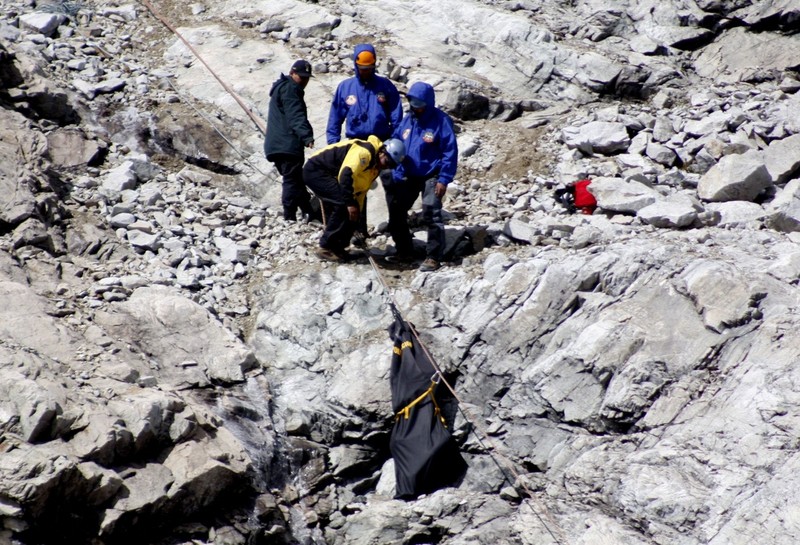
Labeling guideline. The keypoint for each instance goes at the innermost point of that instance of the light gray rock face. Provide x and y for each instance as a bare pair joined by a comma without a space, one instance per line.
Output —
617,195
16,143
735,55
71,148
735,178
603,372
721,296
165,325
35,405
176,365
63,435
33,329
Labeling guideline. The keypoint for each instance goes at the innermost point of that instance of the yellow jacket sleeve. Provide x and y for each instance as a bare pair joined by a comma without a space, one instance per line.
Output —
359,169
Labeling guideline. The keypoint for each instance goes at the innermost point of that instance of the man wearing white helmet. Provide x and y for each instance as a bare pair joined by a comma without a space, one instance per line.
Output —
340,175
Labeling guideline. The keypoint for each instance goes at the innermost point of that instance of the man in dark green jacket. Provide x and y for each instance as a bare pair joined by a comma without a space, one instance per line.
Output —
288,131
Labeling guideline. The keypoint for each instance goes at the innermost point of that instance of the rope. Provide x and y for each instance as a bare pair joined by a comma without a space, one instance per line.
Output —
257,120
211,123
553,527
395,310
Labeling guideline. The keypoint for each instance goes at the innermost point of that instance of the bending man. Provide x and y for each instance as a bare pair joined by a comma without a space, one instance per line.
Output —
340,175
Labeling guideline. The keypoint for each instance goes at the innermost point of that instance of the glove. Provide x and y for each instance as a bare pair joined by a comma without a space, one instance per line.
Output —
359,239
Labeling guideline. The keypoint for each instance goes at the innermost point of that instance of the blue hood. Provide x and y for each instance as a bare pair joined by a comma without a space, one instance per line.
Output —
423,91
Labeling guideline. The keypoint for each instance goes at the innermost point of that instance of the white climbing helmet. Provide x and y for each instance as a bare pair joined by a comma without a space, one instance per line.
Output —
395,149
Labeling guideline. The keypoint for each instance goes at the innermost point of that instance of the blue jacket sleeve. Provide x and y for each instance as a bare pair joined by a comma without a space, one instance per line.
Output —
449,145
399,173
336,117
395,108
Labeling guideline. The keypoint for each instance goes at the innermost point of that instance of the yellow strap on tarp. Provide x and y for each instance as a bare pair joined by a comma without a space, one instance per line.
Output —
399,349
406,411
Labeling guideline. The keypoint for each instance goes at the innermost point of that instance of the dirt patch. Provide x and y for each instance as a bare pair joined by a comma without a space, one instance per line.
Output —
521,152
518,151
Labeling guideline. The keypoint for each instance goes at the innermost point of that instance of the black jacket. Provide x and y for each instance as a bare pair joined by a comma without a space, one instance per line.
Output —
288,129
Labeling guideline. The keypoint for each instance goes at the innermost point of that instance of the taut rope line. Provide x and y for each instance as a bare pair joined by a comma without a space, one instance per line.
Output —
492,450
481,433
257,120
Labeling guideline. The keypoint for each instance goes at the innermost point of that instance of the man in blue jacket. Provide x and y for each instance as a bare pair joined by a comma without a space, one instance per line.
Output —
288,132
368,104
430,164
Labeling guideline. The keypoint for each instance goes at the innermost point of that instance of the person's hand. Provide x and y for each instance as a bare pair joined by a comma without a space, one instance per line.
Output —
360,239
352,212
439,190
310,145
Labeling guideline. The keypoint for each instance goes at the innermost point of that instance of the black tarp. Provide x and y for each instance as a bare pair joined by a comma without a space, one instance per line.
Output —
426,457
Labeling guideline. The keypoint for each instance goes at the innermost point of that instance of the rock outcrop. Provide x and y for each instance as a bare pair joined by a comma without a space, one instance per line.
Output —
178,367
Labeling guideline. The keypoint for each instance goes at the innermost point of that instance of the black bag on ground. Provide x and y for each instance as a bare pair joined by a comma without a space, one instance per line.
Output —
426,457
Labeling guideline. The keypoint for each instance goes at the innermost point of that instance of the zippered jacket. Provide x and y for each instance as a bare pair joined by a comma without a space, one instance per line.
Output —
354,163
288,128
367,107
431,146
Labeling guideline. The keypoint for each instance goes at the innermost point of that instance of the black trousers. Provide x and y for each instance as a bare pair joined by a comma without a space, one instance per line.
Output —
338,227
293,190
400,197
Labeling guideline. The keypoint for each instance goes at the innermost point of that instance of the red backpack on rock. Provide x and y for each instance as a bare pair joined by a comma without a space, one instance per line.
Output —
576,196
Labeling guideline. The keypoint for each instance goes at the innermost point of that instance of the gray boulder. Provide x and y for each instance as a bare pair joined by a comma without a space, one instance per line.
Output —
735,178
782,158
597,137
783,213
617,195
668,214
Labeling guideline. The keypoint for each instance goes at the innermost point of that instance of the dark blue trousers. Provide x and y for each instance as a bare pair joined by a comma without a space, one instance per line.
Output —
293,190
338,227
400,197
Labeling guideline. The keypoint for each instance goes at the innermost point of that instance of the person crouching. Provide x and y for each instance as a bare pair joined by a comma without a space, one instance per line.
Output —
340,175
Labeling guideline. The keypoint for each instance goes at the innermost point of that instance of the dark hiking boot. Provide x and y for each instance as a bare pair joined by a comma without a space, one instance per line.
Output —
336,256
429,265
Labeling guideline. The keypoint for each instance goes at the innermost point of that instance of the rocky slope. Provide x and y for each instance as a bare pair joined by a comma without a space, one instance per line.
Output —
177,367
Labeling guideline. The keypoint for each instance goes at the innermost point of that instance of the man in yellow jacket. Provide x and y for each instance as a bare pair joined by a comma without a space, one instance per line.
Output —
340,175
